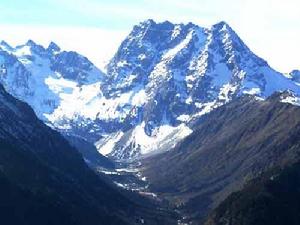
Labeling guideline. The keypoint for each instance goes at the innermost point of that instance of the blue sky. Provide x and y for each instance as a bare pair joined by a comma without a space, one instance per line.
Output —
108,14
95,28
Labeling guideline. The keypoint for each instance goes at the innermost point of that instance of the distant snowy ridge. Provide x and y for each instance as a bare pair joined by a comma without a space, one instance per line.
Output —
162,77
42,77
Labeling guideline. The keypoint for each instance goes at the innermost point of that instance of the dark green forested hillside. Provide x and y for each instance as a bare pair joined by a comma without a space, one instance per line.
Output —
272,199
229,147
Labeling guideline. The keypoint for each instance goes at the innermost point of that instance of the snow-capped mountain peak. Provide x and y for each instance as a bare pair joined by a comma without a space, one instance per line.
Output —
31,43
163,77
187,71
53,48
5,46
41,77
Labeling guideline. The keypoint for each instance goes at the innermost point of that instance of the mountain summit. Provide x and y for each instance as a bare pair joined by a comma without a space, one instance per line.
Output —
183,71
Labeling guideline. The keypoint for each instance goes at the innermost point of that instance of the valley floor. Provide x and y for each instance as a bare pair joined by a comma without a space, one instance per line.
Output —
128,176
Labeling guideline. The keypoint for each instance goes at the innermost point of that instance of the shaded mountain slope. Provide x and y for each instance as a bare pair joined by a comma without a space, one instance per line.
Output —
49,179
271,199
90,153
229,147
19,206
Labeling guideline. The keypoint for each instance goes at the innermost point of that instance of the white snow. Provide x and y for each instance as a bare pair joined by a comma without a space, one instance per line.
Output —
176,32
124,186
60,85
142,57
122,63
206,107
23,51
252,91
144,178
291,100
189,100
109,172
139,98
170,54
183,118
88,102
106,144
164,137
153,195
128,170
225,91
199,62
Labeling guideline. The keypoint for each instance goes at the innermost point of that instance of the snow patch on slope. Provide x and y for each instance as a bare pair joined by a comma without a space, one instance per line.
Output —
290,99
164,138
106,144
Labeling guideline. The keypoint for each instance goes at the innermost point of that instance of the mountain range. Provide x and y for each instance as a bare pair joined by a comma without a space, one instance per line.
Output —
163,77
